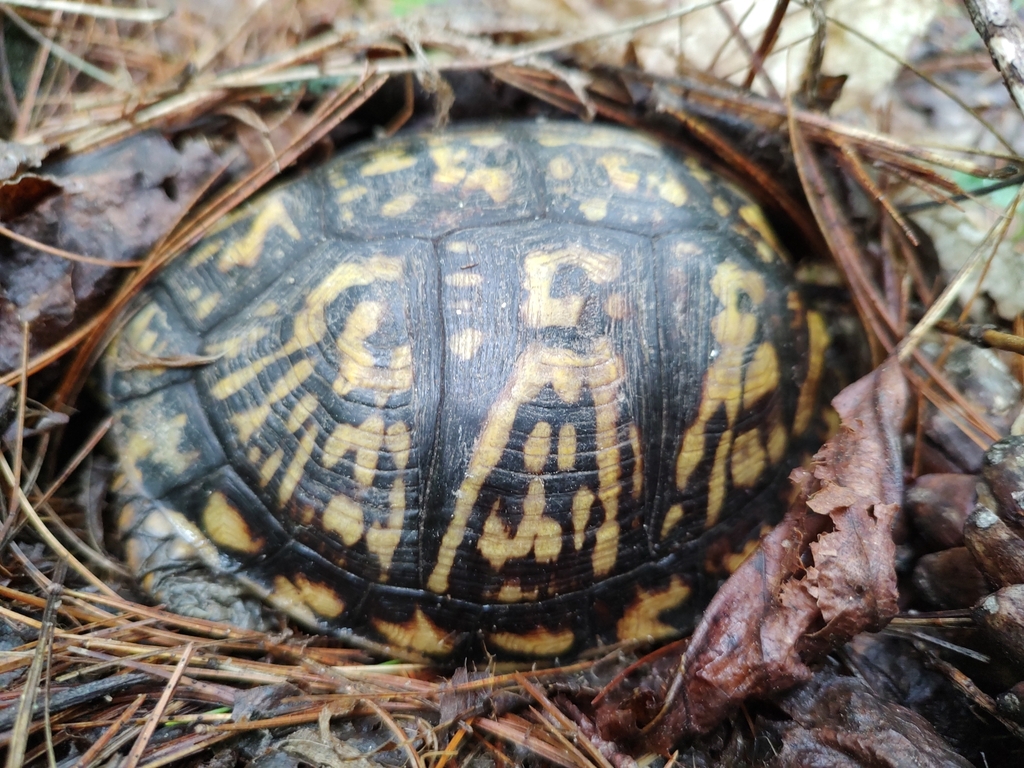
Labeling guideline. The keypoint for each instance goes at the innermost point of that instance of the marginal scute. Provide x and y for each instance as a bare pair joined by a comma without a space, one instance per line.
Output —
642,618
418,633
520,389
538,642
226,526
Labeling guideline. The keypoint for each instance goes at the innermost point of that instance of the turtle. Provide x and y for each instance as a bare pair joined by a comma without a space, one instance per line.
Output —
521,388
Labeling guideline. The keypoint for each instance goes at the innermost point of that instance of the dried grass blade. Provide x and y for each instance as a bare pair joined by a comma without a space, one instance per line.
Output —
47,536
570,727
135,755
836,229
66,254
26,701
400,738
522,733
119,13
94,751
67,56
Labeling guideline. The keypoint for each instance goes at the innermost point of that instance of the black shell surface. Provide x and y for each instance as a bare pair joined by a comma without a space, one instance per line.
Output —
514,387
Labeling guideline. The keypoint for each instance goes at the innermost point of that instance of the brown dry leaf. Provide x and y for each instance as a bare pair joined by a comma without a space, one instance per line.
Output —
839,721
110,205
775,616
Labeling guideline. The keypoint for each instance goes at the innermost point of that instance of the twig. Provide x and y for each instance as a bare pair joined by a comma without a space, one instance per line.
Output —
983,335
999,28
96,11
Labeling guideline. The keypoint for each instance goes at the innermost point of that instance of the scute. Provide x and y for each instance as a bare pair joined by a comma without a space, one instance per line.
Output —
499,388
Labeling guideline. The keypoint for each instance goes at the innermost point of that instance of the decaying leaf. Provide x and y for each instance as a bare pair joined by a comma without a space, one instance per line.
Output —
839,721
109,206
823,575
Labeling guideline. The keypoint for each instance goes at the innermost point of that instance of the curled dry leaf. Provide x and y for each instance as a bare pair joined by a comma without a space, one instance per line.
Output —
776,614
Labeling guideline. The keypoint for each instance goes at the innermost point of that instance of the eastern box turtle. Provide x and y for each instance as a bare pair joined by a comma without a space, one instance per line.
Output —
512,388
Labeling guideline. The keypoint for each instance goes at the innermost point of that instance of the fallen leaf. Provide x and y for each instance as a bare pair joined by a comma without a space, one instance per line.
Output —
820,577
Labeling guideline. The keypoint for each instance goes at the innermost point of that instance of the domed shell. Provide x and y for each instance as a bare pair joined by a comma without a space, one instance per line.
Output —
519,388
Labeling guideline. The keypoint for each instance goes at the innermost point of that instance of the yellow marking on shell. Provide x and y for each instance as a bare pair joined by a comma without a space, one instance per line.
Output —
246,251
300,414
310,325
297,466
464,344
672,518
721,206
206,305
287,597
344,517
561,168
363,441
732,561
748,459
494,181
567,371
566,447
582,502
449,161
267,309
270,466
238,343
464,279
358,369
350,195
597,137
254,454
698,170
537,642
643,618
388,161
778,439
671,190
594,208
487,139
754,216
537,448
419,633
541,309
606,546
227,528
734,330
204,251
535,532
320,597
382,541
511,591
761,378
161,442
616,306
567,385
247,422
817,344
601,372
140,335
620,177
398,205
638,460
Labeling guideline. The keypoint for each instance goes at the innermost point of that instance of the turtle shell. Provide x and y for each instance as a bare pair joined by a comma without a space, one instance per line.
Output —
521,388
